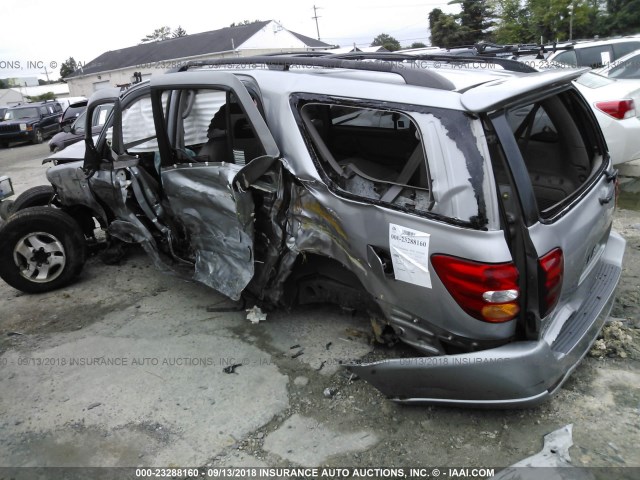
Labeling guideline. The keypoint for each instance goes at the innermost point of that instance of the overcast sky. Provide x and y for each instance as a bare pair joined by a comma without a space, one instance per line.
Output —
43,34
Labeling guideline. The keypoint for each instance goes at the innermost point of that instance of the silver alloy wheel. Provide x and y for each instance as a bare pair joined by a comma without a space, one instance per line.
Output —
39,136
40,257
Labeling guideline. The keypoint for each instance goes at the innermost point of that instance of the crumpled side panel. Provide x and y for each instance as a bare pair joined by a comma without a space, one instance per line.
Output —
133,231
313,228
72,187
219,223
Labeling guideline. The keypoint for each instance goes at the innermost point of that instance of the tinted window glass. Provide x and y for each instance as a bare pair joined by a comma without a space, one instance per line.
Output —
595,56
621,49
568,58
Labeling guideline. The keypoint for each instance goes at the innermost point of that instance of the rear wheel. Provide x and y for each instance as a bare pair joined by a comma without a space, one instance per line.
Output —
41,249
39,196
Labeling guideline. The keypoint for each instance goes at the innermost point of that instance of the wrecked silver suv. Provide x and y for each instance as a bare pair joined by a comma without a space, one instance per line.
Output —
470,211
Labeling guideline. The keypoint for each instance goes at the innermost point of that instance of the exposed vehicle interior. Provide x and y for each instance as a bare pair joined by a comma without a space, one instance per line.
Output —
375,154
557,152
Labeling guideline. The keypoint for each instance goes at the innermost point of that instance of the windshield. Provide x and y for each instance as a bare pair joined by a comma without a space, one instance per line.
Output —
19,113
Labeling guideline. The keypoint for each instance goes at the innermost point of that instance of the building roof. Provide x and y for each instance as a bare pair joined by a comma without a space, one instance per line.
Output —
311,42
197,44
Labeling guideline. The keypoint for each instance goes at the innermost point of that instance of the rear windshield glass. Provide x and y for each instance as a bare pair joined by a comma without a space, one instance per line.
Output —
559,146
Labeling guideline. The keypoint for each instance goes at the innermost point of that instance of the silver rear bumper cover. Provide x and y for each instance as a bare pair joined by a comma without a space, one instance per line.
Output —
518,374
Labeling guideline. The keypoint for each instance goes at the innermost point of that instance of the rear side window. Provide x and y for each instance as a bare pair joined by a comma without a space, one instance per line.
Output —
595,56
558,144
423,160
568,58
621,49
371,153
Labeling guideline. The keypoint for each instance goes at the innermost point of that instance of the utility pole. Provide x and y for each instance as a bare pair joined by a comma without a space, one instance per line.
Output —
570,8
316,17
46,73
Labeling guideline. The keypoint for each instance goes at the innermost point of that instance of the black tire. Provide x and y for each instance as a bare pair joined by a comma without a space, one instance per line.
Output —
39,196
37,136
41,249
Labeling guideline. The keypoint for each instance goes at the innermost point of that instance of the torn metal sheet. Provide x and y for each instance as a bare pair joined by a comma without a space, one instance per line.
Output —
458,129
410,255
134,232
550,463
218,221
72,187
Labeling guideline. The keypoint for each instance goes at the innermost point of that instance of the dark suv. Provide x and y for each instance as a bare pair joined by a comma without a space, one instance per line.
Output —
32,122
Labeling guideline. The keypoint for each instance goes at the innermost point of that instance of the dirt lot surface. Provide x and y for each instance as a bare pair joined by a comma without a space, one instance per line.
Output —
126,367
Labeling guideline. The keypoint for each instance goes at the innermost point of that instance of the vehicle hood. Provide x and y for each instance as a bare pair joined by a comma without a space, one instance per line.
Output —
72,153
65,136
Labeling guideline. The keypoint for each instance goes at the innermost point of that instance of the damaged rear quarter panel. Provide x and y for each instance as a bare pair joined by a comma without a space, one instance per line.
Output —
326,223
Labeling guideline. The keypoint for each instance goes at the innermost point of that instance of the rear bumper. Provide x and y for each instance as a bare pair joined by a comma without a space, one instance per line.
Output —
518,374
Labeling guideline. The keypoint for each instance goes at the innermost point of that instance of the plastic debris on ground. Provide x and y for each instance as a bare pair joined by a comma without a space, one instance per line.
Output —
255,315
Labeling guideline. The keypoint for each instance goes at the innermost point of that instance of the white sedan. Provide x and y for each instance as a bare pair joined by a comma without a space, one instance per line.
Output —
614,94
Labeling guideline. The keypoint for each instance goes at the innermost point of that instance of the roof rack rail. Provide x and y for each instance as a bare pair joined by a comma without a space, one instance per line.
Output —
505,63
508,51
412,76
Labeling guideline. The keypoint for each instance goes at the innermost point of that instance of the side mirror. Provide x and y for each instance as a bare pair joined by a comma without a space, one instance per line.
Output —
67,129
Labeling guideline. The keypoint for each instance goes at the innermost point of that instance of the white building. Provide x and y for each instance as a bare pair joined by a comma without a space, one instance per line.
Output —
117,67
16,95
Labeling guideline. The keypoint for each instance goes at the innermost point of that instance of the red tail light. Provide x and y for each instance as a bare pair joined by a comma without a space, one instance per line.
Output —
486,291
552,266
619,109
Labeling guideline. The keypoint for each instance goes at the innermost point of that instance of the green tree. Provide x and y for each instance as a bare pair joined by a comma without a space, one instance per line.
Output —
621,17
158,34
475,20
512,22
41,98
554,20
445,31
386,41
68,67
179,32
417,45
